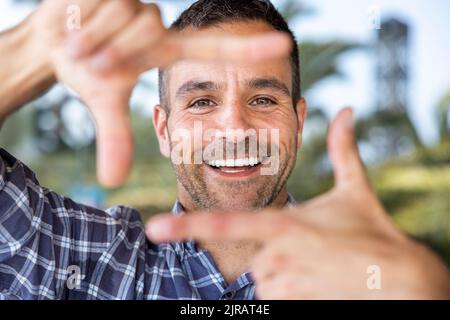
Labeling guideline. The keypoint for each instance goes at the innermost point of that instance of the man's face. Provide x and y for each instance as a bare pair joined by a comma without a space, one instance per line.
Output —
211,104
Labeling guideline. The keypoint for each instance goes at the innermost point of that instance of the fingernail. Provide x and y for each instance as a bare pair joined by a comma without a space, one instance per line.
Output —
348,120
74,48
158,230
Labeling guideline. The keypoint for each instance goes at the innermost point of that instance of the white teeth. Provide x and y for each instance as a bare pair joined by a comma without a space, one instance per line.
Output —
220,163
245,162
232,171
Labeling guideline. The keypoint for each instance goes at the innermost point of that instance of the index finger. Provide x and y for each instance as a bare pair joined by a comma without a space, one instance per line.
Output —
259,226
114,141
241,49
254,49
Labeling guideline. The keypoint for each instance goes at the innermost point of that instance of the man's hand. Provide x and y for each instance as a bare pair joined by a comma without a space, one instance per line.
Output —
118,40
324,249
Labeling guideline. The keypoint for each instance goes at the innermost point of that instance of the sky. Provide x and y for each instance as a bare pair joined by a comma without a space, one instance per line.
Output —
348,20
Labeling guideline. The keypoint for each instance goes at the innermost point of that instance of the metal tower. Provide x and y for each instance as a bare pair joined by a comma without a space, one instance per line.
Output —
392,66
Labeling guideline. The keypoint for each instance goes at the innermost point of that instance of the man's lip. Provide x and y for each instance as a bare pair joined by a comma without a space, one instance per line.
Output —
239,172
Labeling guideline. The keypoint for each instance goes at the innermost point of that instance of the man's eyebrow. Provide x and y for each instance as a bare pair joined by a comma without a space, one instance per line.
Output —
269,83
194,85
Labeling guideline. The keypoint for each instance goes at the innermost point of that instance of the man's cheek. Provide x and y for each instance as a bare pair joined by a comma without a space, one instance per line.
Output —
270,146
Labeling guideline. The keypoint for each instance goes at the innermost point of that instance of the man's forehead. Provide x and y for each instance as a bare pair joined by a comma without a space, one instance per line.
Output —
188,76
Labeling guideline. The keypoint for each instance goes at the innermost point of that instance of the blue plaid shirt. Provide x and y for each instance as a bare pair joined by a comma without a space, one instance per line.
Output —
54,248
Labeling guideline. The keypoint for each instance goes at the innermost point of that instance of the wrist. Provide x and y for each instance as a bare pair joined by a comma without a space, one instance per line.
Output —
35,58
26,68
35,51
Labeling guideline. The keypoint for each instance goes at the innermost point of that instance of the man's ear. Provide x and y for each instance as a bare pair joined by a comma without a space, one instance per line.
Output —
302,111
160,124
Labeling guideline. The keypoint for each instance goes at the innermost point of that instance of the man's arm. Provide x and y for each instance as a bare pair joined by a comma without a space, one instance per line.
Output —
102,61
46,238
340,245
25,72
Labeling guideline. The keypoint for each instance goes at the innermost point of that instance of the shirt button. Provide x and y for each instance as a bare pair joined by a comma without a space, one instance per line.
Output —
229,295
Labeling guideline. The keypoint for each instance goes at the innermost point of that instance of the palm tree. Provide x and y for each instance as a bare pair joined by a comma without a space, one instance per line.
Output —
318,60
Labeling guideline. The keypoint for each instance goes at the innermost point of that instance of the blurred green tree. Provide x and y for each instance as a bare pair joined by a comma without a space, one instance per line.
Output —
319,61
444,117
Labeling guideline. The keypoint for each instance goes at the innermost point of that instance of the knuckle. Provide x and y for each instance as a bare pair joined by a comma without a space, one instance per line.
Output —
287,287
86,38
283,224
270,263
219,225
122,9
276,259
154,8
113,55
118,8
150,22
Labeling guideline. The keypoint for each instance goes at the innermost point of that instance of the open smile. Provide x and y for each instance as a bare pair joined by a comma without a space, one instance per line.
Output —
235,168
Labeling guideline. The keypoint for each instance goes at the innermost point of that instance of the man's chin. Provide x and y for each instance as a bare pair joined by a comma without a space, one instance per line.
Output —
231,206
238,200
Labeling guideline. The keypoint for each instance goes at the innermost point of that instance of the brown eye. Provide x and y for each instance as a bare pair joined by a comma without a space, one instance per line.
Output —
262,101
202,103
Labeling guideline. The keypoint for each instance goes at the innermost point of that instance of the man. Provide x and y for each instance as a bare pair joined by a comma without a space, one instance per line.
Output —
320,249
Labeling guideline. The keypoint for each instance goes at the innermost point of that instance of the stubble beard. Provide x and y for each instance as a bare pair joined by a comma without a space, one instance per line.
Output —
232,195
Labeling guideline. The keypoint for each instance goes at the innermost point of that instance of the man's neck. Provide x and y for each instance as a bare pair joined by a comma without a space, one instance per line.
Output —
234,258
231,258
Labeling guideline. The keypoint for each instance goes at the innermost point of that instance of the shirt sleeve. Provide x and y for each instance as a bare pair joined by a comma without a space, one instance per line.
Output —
54,248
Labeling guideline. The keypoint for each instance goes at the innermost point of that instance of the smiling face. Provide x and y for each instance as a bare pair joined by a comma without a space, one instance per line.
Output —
218,97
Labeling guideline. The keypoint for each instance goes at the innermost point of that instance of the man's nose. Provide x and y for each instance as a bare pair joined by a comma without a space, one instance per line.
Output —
234,115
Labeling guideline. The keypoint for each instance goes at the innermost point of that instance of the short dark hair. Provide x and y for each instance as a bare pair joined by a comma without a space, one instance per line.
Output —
206,13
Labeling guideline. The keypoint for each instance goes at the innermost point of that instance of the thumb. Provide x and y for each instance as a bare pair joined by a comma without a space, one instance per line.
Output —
115,144
347,165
